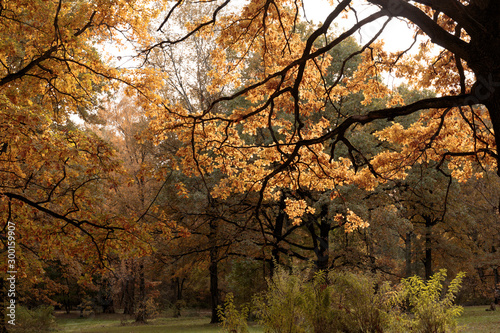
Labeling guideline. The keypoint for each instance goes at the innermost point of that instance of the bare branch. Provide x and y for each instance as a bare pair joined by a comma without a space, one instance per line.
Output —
436,33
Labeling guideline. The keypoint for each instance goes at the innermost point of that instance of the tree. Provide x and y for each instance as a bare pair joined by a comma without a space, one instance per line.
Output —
56,178
213,223
292,129
289,97
478,237
50,68
292,81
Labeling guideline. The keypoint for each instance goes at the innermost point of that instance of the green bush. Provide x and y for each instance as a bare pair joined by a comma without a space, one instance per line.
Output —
233,321
352,303
340,302
424,307
40,319
360,307
282,307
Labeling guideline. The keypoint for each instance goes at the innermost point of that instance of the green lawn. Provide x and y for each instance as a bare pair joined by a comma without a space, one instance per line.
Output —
474,320
119,323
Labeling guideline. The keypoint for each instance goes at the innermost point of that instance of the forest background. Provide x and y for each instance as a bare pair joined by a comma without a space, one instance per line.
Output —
218,140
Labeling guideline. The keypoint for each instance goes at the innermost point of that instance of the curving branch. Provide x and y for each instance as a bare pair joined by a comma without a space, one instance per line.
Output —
436,33
457,12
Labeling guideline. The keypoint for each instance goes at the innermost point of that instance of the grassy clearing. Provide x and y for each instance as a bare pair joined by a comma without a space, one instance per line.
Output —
117,323
193,325
474,320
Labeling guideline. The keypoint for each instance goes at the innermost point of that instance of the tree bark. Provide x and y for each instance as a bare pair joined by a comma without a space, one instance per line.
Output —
428,247
141,313
129,290
278,234
213,270
179,286
107,297
408,254
497,286
323,255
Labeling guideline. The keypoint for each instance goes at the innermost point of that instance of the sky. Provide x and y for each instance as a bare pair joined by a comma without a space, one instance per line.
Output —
397,35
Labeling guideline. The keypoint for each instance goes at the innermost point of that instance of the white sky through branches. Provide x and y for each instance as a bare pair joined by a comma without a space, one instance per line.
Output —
397,35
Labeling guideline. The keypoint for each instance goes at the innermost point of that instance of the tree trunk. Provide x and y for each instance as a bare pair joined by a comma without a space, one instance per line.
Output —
214,278
487,92
408,253
129,290
107,297
141,313
320,242
323,254
497,286
179,286
428,248
278,234
485,63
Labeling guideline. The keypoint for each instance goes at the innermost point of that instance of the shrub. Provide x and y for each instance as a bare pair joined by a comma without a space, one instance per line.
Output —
352,303
40,319
360,307
150,308
233,321
424,307
340,302
282,307
86,307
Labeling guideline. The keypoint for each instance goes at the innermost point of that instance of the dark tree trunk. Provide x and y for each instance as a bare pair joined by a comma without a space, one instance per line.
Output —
408,254
214,288
141,313
497,286
487,92
428,247
107,298
214,277
370,245
428,256
323,254
179,286
484,60
320,225
129,290
278,234
480,273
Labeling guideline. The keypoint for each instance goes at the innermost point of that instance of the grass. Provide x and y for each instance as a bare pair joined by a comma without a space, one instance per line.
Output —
192,325
477,320
474,320
114,323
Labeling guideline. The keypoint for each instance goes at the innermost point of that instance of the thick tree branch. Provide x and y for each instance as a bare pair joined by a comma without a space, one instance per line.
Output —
436,33
389,114
58,216
35,62
457,12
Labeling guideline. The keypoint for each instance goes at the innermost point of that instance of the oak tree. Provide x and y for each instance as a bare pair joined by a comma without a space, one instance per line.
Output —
292,81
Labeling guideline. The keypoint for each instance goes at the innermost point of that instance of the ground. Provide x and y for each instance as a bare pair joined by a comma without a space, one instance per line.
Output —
474,320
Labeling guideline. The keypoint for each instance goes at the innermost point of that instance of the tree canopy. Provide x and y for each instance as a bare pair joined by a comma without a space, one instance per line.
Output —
288,97
129,126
